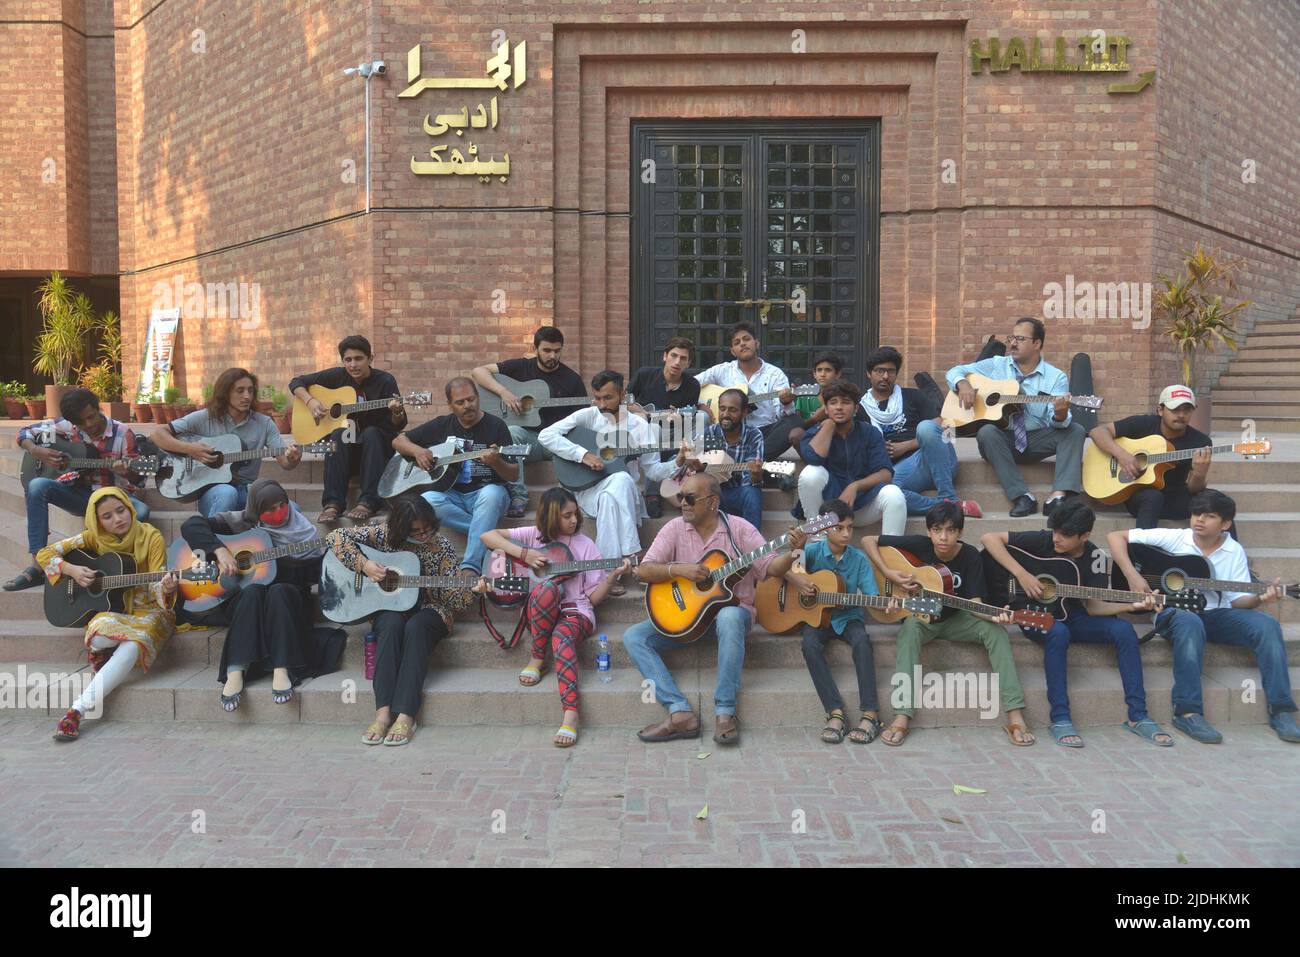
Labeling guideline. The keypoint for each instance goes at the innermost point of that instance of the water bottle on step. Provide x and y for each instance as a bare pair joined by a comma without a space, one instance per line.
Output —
602,661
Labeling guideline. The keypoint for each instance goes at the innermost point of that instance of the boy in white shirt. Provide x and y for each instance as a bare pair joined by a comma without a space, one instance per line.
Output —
1229,617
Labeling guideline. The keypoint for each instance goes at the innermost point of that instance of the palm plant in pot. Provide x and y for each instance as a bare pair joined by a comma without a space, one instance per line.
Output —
67,321
170,395
1196,318
105,377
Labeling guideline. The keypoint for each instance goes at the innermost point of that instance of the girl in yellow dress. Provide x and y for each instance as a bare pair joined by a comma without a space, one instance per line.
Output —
116,641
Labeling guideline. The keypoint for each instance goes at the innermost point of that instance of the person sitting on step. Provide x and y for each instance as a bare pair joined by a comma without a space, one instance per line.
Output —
742,491
666,388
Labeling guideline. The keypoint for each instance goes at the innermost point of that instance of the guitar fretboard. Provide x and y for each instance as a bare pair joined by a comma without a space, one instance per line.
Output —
952,601
250,454
1219,584
1080,591
747,559
369,404
1186,453
1019,399
284,551
438,581
109,582
593,564
853,600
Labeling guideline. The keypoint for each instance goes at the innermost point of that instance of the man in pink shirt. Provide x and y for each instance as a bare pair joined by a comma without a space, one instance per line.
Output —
676,552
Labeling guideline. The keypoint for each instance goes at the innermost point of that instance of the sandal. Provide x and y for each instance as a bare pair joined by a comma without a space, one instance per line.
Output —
375,733
566,737
873,730
328,515
1065,729
360,513
834,735
901,730
726,737
399,734
230,702
66,730
1146,728
27,578
282,697
1026,737
533,671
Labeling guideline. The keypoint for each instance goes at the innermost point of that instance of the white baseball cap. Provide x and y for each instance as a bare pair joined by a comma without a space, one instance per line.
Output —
1176,395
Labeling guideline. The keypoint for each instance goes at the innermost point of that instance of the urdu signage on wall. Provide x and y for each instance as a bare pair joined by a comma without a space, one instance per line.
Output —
1094,53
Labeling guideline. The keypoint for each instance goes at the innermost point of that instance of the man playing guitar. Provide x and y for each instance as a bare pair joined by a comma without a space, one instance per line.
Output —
676,551
749,370
372,445
742,492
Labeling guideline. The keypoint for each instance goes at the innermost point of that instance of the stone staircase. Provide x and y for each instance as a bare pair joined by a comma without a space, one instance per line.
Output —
473,682
1262,382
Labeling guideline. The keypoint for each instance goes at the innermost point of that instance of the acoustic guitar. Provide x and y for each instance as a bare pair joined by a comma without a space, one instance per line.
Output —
533,396
81,457
709,395
1175,574
683,609
401,474
185,478
1105,481
1061,580
339,404
720,464
254,554
937,580
995,400
782,607
69,605
560,567
346,595
575,476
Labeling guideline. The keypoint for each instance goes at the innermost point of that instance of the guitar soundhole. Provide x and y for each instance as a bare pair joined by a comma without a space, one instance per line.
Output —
807,601
336,410
607,454
97,586
526,403
244,560
389,584
1049,592
1174,581
992,399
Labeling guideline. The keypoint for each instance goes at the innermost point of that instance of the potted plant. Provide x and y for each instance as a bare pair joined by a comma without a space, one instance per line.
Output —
106,382
35,405
13,393
281,413
265,400
1196,318
140,410
67,321
170,395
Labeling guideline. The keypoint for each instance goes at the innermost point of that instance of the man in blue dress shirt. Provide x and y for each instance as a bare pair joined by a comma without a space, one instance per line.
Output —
1034,432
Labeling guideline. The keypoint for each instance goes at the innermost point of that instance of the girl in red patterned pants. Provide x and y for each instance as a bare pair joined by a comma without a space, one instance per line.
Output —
561,609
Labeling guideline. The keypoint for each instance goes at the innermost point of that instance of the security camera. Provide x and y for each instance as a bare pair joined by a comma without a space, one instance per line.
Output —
378,67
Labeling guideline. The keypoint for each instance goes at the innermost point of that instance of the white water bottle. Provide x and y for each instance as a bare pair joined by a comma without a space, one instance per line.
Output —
602,661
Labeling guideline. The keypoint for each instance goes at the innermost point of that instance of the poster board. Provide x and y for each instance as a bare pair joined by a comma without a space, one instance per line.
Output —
159,348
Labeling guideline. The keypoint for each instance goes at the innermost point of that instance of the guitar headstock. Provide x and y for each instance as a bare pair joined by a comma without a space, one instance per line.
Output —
1188,599
144,464
202,572
324,447
778,468
1254,449
510,583
1032,619
810,389
518,449
926,605
820,523
1087,401
418,398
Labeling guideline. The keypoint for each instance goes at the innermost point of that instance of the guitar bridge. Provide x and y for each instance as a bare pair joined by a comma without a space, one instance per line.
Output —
356,582
677,597
1114,467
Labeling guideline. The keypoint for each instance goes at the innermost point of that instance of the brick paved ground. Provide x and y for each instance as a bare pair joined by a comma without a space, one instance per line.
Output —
313,795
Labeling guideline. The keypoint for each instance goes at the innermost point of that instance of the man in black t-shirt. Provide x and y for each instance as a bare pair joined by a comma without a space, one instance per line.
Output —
1090,622
667,387
923,457
942,545
559,378
478,499
375,429
1185,479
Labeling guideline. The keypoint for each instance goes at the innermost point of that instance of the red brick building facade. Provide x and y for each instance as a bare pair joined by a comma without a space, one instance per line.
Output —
153,144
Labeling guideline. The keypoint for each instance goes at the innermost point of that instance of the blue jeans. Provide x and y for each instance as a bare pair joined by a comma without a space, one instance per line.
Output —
44,492
1092,630
223,498
536,453
1243,627
932,465
471,514
644,644
745,501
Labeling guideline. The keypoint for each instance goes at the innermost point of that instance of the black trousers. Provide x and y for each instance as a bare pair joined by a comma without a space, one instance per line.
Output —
776,437
367,455
406,639
269,625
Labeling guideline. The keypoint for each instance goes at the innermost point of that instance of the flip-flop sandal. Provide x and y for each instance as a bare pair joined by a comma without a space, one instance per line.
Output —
1011,730
375,734
1065,729
834,735
901,732
404,732
1146,728
868,734
328,515
569,734
728,739
360,513
531,671
29,577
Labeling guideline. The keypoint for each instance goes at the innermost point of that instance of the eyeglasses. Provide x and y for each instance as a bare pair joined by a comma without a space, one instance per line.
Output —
1018,339
422,534
690,498
884,370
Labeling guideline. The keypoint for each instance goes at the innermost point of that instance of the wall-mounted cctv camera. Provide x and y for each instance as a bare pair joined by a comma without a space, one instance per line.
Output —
379,67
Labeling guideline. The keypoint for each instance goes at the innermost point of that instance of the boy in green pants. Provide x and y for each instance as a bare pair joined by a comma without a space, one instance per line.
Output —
943,546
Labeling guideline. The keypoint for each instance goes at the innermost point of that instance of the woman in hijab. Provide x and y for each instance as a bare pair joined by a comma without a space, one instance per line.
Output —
269,625
116,641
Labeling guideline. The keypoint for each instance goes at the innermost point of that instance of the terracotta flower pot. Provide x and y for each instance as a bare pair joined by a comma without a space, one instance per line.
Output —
15,408
141,412
282,421
266,408
54,393
159,411
36,408
120,411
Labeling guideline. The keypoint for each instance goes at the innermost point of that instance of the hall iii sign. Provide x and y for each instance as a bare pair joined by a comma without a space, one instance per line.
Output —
1095,53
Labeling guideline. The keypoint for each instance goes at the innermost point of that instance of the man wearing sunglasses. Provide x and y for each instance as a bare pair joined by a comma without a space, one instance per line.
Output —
1033,432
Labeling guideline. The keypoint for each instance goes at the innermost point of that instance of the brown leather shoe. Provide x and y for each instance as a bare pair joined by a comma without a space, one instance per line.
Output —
726,730
678,725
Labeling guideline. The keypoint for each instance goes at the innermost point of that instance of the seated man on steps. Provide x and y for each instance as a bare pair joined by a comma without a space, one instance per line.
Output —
1230,618
750,370
563,382
478,499
942,545
742,491
677,551
229,412
371,446
1173,414
615,501
923,458
1035,431
1093,622
666,387
847,460
80,420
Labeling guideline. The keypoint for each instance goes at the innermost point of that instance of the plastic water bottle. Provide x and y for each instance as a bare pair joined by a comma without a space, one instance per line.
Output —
371,645
602,661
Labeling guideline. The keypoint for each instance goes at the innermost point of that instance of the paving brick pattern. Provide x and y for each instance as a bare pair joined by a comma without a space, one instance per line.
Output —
126,795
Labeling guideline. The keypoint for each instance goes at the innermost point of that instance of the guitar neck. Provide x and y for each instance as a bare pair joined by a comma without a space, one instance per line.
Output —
739,564
110,582
593,564
550,403
464,457
1019,399
251,454
1217,584
436,581
368,404
1080,591
966,604
852,600
284,551
1177,454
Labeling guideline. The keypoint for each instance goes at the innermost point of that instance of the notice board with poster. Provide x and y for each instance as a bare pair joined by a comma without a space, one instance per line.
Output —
159,348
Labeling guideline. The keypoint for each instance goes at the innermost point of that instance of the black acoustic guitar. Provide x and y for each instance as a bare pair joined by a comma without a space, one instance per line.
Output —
69,605
1173,574
1063,594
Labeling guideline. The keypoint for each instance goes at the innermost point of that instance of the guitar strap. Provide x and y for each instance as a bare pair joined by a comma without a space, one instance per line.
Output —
730,537
505,643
